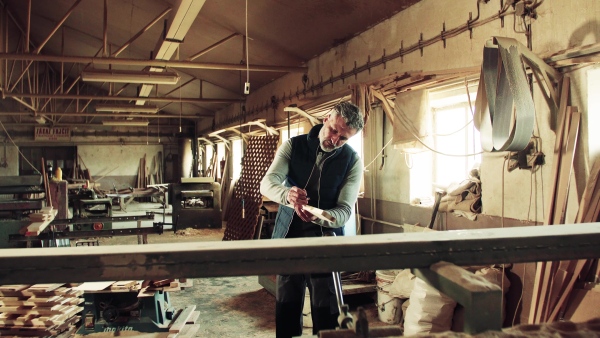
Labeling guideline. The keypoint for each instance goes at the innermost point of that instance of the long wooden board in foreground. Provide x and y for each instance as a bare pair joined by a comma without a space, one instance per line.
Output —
300,255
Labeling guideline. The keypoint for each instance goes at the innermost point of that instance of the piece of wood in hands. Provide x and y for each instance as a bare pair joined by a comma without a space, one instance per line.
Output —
319,213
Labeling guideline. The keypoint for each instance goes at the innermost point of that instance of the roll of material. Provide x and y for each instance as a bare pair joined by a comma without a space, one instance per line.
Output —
505,86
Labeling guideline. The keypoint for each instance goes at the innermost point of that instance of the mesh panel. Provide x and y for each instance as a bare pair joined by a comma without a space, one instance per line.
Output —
257,159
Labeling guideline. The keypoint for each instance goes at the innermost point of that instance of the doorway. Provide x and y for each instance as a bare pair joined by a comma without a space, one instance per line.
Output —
55,157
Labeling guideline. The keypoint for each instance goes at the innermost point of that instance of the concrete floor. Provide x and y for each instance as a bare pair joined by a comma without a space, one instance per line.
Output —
229,306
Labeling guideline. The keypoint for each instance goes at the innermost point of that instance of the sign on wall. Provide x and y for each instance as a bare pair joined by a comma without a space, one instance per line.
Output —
52,134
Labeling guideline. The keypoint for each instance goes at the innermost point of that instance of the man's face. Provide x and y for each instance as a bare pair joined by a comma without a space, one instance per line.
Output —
334,133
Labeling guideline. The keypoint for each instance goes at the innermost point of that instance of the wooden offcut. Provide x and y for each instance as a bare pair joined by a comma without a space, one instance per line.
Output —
182,319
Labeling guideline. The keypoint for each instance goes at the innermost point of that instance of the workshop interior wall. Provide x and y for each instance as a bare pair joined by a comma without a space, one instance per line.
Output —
117,164
578,26
9,161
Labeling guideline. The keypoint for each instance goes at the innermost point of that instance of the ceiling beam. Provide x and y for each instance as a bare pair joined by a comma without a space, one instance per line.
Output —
57,26
151,63
138,34
119,98
78,114
211,47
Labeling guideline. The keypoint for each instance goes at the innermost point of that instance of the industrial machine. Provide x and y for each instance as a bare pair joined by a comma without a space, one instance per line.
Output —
196,203
21,188
86,204
109,311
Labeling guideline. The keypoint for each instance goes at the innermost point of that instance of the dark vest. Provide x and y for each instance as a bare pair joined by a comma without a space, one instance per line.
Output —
303,158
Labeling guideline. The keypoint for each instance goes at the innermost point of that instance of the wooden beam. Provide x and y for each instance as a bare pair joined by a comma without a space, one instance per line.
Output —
299,255
480,298
387,107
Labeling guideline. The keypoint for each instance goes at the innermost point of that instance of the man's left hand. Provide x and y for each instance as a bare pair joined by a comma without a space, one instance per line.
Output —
303,214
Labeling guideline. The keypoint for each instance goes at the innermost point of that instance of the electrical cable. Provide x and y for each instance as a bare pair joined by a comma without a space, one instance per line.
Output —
376,156
180,102
247,57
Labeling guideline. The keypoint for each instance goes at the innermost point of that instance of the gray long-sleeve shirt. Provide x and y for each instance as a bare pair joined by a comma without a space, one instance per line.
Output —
272,184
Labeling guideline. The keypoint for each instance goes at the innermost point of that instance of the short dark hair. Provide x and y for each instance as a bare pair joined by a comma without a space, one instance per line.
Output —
351,115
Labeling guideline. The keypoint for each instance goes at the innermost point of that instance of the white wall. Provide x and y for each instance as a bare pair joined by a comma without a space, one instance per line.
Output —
117,160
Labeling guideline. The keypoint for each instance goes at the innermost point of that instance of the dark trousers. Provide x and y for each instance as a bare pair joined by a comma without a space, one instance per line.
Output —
290,303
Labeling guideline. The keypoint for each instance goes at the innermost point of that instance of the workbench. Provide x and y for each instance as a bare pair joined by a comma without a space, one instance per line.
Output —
122,200
126,196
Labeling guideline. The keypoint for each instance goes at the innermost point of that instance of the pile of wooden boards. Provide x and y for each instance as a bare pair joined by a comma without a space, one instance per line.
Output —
40,310
39,221
150,175
184,324
554,281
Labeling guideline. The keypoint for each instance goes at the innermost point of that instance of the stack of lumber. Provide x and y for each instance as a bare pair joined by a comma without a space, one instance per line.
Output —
150,175
184,324
40,310
554,281
39,221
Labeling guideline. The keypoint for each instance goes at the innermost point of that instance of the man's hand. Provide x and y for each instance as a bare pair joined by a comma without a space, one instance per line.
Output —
298,198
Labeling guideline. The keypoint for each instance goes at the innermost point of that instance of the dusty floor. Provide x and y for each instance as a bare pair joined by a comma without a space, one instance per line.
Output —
229,306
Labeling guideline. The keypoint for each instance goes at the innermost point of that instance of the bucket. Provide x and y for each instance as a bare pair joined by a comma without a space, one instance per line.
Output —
389,308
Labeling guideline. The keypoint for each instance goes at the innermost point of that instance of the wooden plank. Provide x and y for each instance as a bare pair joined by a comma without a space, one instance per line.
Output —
45,287
472,291
55,310
319,213
40,302
124,285
540,284
193,317
14,288
94,286
588,193
590,198
35,228
584,306
389,111
63,291
316,255
189,331
183,317
567,290
566,169
554,277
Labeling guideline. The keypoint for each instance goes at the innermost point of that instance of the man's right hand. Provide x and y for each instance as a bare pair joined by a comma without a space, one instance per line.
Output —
297,197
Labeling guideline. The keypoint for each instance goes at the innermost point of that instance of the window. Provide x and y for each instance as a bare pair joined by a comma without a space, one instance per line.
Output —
221,154
237,154
356,142
209,160
593,115
453,136
295,130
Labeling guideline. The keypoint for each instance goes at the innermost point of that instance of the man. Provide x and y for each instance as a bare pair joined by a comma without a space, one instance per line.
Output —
320,170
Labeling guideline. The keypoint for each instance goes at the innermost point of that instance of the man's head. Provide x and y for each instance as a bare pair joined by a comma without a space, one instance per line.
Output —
341,124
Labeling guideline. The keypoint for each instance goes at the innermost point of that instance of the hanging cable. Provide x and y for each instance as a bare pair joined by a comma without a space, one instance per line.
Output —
242,164
180,102
158,118
247,86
